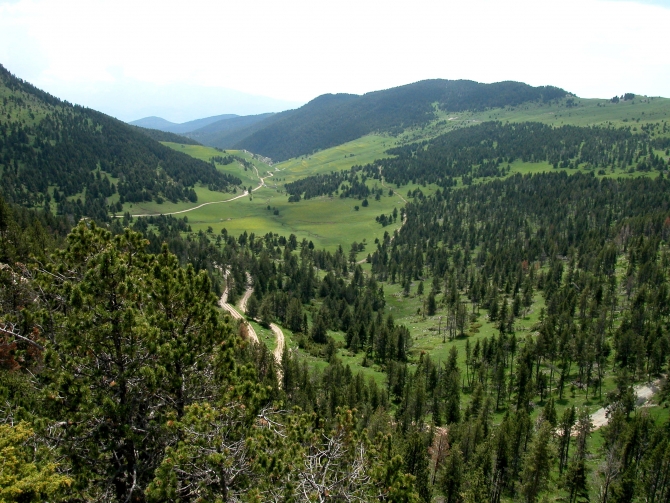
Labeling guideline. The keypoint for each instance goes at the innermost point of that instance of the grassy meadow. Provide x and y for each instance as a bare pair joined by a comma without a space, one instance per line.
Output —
326,221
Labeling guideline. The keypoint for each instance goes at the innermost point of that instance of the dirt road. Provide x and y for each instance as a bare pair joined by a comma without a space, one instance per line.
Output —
223,303
247,294
275,328
643,392
246,193
279,349
280,342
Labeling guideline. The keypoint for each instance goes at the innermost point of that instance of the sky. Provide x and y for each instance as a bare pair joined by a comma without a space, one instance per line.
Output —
183,60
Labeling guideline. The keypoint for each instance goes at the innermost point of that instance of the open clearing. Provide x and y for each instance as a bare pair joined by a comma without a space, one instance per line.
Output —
643,392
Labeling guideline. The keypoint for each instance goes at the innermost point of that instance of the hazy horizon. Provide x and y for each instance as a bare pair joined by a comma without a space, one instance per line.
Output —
176,103
133,60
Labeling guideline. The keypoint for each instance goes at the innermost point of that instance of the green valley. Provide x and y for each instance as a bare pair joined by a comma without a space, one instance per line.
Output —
445,292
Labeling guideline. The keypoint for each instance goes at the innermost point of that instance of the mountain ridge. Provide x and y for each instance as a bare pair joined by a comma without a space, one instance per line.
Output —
225,133
333,119
161,124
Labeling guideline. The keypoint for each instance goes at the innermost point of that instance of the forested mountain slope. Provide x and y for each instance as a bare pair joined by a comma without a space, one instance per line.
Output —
51,150
136,388
188,400
334,119
587,256
461,361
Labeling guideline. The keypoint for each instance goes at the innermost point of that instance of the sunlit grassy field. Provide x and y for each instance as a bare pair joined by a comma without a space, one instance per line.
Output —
326,221
358,152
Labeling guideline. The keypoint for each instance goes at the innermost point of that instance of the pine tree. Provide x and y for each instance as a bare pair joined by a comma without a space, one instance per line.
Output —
501,466
265,313
319,330
417,464
452,388
126,329
500,382
502,316
294,315
537,465
252,307
431,306
450,477
565,428
21,477
549,413
355,343
576,476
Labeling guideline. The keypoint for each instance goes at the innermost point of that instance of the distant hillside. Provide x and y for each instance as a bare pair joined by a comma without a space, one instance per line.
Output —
158,135
52,151
185,127
331,120
225,133
154,123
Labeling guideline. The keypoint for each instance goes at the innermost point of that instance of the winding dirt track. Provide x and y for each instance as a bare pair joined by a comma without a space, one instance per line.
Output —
247,294
223,302
279,349
280,342
246,193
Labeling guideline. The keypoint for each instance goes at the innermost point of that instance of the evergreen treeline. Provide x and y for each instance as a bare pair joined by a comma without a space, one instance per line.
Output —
331,120
345,183
286,284
48,144
120,381
498,246
595,251
485,150
229,159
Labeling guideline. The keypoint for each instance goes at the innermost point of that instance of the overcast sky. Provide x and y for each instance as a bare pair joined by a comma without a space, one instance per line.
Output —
188,59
